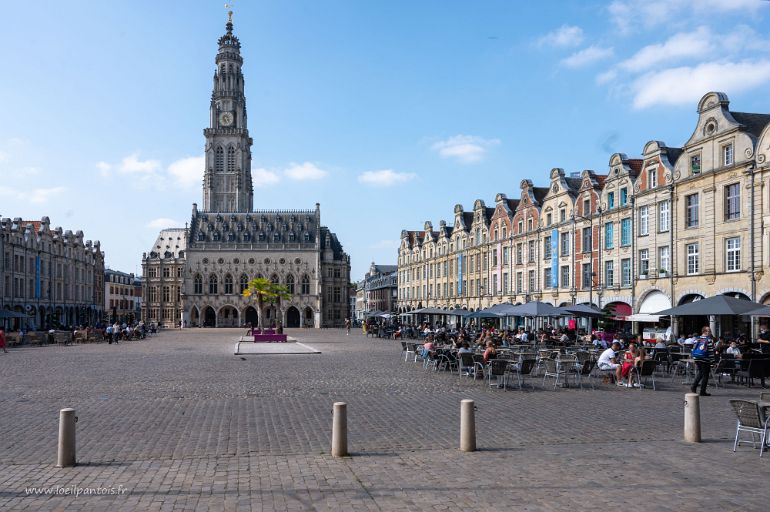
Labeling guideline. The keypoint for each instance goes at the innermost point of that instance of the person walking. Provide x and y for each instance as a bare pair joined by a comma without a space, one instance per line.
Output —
347,327
2,340
703,354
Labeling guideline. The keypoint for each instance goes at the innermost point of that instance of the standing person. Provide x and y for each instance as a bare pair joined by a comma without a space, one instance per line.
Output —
108,333
703,354
2,340
347,327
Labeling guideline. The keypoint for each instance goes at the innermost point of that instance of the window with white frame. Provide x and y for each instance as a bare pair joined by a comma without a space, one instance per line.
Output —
693,259
664,259
625,272
564,278
532,282
644,220
644,262
531,251
547,278
564,240
623,196
519,281
695,164
586,206
664,216
733,254
547,248
519,253
727,154
505,283
611,200
587,276
562,214
609,273
652,178
587,239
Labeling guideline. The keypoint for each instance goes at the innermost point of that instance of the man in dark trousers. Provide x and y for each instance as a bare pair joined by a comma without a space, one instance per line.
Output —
703,354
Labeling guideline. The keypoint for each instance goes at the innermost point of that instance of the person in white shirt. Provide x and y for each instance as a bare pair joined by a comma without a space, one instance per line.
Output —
607,361
734,350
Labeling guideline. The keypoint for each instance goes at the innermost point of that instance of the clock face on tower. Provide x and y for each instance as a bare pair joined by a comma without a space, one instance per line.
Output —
226,118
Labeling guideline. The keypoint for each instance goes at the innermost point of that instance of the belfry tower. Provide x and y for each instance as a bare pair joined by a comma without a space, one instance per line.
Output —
227,183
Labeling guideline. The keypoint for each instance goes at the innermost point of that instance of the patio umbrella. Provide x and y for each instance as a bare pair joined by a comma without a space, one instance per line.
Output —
763,311
533,309
583,311
374,313
457,312
717,305
503,309
484,313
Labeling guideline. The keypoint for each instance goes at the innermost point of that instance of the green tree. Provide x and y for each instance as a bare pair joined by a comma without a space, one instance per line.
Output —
263,291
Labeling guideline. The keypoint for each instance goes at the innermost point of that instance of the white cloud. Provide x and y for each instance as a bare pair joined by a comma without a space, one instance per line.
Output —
386,244
465,149
3,156
630,15
606,77
264,177
163,223
42,195
132,165
587,56
686,85
683,45
564,36
188,172
385,177
305,172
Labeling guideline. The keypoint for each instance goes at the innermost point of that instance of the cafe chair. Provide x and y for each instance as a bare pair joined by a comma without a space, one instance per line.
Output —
751,419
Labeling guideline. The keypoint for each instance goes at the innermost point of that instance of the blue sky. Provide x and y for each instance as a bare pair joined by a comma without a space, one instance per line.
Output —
387,113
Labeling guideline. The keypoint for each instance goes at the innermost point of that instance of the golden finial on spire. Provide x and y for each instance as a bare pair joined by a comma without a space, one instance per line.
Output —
229,6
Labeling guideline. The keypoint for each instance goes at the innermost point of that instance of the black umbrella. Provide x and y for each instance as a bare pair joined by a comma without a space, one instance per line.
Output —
717,305
583,310
535,308
763,311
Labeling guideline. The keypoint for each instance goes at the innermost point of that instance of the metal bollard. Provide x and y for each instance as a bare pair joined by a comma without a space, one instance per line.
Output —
467,426
66,453
340,430
692,418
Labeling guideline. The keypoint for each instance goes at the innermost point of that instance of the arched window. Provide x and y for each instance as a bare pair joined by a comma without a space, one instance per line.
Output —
231,159
244,282
305,285
228,284
307,237
274,279
198,284
276,237
219,159
290,283
213,284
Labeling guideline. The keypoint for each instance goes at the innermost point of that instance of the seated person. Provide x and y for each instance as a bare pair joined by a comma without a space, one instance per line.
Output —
607,361
660,342
427,347
628,362
641,356
489,352
734,350
465,348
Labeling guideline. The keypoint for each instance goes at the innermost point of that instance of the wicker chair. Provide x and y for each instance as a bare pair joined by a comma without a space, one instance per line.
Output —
750,419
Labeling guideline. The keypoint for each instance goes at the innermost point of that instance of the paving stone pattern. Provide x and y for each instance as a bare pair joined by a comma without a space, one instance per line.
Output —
182,424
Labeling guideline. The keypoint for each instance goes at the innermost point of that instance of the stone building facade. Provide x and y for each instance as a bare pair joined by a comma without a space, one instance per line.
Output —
54,276
228,243
122,297
380,289
671,226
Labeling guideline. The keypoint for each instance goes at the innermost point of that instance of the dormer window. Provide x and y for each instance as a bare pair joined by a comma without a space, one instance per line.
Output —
727,154
548,219
652,178
521,227
586,206
529,224
623,196
562,214
610,200
695,164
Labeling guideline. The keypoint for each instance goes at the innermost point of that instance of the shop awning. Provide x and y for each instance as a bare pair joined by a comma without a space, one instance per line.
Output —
643,317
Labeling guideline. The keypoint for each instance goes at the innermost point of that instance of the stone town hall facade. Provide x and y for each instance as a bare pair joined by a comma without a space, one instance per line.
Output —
195,276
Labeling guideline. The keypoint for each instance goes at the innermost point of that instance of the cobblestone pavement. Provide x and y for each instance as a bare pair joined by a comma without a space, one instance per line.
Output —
177,422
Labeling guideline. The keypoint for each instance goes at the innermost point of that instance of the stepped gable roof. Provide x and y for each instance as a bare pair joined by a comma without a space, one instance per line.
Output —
753,123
